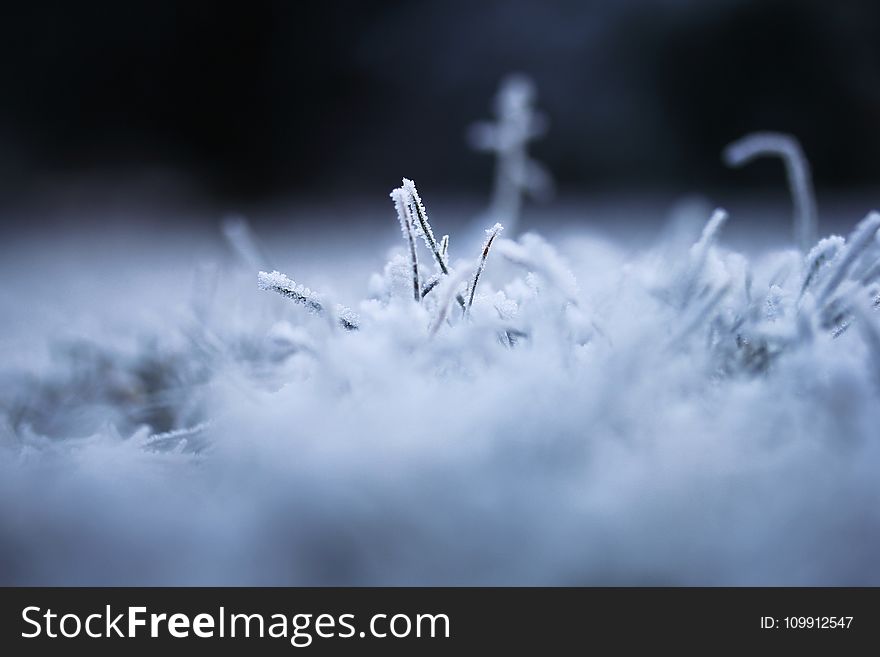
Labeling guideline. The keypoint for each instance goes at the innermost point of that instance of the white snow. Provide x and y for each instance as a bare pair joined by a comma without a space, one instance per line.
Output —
604,415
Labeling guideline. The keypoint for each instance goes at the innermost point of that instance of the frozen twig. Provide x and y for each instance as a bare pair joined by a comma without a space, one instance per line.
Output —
177,440
820,256
871,274
419,221
710,234
534,254
420,217
699,254
491,234
404,215
859,240
451,284
871,334
515,172
430,284
241,238
278,282
786,147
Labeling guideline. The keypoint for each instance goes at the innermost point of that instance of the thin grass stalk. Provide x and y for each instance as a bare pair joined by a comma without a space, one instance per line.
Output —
797,169
405,218
491,234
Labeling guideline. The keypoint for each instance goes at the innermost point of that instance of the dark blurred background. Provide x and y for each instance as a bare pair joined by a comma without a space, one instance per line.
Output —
258,99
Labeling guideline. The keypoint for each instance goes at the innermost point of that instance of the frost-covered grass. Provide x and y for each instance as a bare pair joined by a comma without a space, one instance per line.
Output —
524,410
678,414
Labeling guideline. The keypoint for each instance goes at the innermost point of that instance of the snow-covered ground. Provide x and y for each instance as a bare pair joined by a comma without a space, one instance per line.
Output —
622,404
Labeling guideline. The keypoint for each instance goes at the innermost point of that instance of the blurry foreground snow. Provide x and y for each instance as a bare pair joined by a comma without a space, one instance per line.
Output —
667,413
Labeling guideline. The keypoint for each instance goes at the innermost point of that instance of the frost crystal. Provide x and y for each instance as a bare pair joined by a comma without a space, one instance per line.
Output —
405,217
278,282
819,257
491,234
411,213
420,218
858,242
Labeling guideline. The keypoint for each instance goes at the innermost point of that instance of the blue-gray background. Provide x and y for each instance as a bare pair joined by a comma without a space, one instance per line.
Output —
249,101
